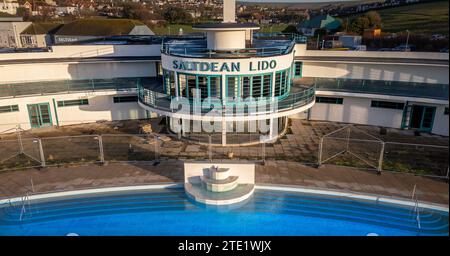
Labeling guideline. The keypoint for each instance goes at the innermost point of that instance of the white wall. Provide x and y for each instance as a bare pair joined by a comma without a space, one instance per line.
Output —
14,73
392,72
226,40
358,111
440,125
101,107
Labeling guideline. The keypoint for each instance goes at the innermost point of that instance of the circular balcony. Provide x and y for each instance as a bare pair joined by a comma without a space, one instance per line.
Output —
298,100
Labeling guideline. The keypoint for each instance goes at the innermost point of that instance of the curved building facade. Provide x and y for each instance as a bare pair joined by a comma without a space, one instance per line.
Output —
231,81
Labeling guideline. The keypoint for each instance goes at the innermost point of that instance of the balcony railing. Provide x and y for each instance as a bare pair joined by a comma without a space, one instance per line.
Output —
197,49
393,88
299,39
162,102
70,86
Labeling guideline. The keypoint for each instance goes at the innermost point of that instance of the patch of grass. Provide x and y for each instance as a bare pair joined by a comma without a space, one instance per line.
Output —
425,18
272,28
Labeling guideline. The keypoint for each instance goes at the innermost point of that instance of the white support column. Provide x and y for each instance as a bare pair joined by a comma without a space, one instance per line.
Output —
224,133
224,105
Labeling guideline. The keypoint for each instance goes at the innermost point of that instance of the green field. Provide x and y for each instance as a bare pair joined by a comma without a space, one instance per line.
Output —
426,18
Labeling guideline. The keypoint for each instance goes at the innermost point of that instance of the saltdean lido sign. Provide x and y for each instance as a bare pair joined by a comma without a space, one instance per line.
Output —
222,66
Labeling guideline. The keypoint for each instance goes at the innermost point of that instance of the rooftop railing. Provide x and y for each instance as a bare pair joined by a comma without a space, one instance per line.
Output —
298,39
197,49
162,102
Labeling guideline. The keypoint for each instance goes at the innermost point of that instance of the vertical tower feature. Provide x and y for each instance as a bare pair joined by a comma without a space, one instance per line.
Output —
228,35
229,9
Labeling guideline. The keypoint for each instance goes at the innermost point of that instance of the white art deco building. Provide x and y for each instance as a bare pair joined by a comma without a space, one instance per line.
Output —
246,82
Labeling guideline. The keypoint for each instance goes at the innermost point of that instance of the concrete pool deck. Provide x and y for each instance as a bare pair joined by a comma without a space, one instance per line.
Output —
19,182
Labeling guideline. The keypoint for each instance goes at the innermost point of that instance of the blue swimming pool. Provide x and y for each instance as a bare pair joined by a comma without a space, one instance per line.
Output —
170,212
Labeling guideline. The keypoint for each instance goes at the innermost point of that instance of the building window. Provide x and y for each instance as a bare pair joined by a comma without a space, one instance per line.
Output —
209,86
67,103
329,100
387,104
298,66
169,82
159,70
446,111
121,99
10,108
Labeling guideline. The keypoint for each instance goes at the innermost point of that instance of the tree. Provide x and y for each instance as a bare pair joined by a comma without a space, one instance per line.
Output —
23,12
290,29
359,24
135,11
369,20
374,19
176,15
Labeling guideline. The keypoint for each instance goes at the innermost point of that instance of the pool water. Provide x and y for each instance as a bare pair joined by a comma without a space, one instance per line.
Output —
170,212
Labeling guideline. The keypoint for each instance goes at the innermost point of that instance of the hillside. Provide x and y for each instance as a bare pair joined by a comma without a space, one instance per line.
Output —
427,18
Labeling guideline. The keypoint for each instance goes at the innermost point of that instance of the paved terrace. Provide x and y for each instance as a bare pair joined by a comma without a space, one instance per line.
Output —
285,164
18,183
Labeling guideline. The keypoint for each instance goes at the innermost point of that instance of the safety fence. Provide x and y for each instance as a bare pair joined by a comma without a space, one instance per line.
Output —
350,146
347,146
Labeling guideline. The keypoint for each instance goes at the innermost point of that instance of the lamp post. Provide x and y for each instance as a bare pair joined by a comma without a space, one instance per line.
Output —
407,39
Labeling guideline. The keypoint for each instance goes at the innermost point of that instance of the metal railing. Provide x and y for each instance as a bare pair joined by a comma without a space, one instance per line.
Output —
299,39
199,49
354,149
161,101
395,88
68,86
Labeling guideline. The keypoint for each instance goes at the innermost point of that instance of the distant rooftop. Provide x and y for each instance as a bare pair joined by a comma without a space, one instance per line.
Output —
321,21
11,19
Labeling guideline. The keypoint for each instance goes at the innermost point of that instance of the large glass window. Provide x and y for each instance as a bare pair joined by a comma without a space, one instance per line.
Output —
267,80
182,82
298,66
256,86
214,86
329,100
169,82
282,82
9,108
246,86
209,86
387,104
233,86
66,103
203,86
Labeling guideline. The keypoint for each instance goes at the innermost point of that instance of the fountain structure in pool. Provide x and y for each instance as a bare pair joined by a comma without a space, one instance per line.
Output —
219,184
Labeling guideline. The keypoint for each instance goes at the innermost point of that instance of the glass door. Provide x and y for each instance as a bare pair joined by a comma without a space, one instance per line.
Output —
422,118
40,115
427,119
